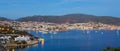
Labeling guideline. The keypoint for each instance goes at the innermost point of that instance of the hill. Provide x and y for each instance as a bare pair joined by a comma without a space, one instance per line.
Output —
4,19
73,18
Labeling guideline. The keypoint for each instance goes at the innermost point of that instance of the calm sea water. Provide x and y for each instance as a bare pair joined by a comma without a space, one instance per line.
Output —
77,40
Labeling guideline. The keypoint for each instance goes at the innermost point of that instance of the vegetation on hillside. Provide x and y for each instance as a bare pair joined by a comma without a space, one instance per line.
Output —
73,18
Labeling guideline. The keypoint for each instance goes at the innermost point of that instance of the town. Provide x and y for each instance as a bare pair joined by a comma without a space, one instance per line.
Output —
55,27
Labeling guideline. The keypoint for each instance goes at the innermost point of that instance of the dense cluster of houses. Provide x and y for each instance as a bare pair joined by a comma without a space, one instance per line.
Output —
18,38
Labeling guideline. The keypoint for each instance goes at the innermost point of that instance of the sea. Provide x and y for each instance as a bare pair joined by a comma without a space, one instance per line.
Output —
76,40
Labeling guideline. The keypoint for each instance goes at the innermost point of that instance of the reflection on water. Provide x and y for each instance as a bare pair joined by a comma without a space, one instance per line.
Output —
42,42
13,49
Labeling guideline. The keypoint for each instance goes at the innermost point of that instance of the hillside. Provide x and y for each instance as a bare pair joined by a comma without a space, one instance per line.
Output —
73,18
4,19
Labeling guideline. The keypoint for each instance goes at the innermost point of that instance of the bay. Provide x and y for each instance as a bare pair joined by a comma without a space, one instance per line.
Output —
76,40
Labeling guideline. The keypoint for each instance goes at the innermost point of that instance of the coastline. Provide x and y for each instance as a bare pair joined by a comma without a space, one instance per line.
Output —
10,37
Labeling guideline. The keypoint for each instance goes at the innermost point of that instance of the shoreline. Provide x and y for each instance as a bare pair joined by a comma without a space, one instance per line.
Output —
10,37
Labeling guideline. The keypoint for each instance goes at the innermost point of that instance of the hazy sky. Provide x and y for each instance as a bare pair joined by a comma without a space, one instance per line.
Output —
19,8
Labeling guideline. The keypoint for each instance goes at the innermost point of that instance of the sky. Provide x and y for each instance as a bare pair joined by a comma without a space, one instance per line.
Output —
14,9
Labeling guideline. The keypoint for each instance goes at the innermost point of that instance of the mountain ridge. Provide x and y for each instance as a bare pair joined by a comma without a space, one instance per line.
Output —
69,18
4,19
73,18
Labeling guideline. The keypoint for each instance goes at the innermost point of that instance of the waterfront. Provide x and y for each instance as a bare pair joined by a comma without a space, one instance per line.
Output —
77,40
55,27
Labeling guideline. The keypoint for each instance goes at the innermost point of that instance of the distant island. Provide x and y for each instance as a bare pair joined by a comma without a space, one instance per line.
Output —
4,19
